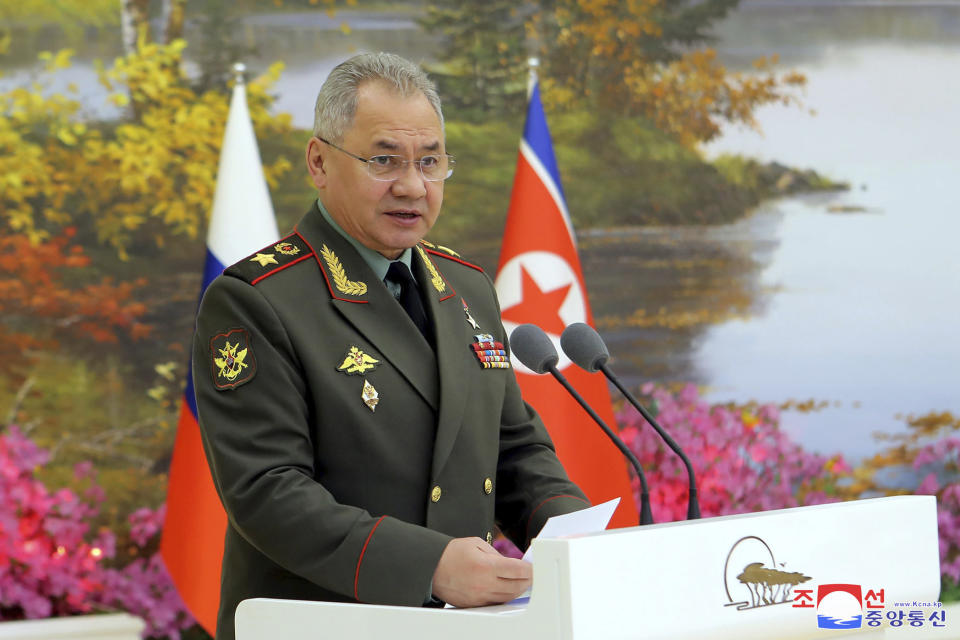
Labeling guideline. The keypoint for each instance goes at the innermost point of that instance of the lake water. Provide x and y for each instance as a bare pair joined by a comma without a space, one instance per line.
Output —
866,305
858,309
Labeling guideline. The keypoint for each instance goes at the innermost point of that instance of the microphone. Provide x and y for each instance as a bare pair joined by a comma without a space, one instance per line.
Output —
584,346
535,350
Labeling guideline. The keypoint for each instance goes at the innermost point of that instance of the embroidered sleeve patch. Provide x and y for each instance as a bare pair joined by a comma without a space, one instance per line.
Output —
232,362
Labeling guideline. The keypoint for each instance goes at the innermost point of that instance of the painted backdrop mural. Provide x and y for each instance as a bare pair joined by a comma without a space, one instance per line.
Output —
762,191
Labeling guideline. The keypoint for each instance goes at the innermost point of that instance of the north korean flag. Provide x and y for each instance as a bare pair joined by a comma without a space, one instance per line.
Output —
539,281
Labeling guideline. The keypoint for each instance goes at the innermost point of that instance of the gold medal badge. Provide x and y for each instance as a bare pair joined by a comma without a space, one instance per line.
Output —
370,396
232,361
357,362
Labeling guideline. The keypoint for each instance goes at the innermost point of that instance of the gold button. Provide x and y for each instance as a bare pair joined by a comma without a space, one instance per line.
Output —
489,537
488,486
435,494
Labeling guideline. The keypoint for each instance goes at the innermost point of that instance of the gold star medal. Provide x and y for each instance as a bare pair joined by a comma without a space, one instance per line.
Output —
357,362
470,320
370,396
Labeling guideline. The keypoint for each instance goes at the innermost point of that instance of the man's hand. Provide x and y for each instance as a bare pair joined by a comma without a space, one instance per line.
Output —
471,573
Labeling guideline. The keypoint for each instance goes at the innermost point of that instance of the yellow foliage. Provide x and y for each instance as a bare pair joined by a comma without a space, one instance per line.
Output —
55,61
155,170
63,12
608,53
72,15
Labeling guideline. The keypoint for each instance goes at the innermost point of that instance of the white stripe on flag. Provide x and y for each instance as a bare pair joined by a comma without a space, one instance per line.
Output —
242,220
531,156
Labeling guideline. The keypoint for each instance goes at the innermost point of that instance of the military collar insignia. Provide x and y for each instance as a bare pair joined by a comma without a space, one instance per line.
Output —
357,362
264,259
343,284
440,247
490,353
435,278
231,359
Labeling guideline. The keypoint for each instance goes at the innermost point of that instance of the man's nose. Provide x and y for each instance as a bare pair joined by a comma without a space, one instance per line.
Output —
411,183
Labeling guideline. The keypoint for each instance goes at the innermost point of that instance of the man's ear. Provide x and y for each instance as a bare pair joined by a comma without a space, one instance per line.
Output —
315,162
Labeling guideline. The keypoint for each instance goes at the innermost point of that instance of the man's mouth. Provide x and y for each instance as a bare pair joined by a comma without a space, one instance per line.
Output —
403,214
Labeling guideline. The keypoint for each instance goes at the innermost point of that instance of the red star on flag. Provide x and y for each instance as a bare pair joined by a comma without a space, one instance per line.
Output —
538,306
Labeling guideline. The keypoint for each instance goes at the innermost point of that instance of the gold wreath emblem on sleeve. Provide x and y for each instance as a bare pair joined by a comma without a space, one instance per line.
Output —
340,280
435,279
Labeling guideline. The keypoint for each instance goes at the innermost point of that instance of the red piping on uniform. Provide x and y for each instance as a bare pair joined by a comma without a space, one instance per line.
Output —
356,579
324,272
279,269
530,519
450,257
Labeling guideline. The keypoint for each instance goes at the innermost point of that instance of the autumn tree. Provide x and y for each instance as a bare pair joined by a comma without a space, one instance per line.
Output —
79,199
129,183
71,15
643,58
648,58
482,68
40,308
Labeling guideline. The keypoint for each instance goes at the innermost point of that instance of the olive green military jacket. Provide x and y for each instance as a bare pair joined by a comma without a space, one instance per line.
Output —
346,450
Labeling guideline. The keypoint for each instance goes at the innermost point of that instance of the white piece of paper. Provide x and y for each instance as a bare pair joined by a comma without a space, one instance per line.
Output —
590,520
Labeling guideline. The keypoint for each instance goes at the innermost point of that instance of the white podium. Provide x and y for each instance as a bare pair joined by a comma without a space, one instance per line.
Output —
734,577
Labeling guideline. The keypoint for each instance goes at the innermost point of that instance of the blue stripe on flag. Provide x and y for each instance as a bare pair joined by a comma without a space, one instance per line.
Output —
211,269
537,135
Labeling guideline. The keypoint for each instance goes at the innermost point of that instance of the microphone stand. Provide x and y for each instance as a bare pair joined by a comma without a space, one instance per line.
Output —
646,515
693,504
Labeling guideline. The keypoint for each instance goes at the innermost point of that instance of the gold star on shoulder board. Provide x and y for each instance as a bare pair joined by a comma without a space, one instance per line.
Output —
264,259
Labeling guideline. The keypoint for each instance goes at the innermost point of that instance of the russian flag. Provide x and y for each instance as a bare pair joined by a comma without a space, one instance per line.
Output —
540,281
242,221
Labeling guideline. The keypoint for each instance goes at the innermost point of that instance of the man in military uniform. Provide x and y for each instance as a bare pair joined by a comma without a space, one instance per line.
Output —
364,429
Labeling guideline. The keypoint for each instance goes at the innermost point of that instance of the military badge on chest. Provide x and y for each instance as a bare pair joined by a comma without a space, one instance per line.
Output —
490,353
356,362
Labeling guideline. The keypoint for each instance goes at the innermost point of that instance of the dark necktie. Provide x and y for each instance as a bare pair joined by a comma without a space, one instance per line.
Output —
409,298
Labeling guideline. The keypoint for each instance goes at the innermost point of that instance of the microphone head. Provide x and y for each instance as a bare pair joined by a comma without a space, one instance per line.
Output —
584,346
533,348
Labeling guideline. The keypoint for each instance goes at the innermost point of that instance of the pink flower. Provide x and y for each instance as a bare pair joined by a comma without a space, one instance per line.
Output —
52,563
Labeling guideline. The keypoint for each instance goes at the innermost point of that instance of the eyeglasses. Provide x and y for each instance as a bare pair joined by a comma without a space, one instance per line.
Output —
387,168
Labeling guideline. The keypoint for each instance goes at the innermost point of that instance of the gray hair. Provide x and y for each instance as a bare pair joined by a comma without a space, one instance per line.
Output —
337,100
